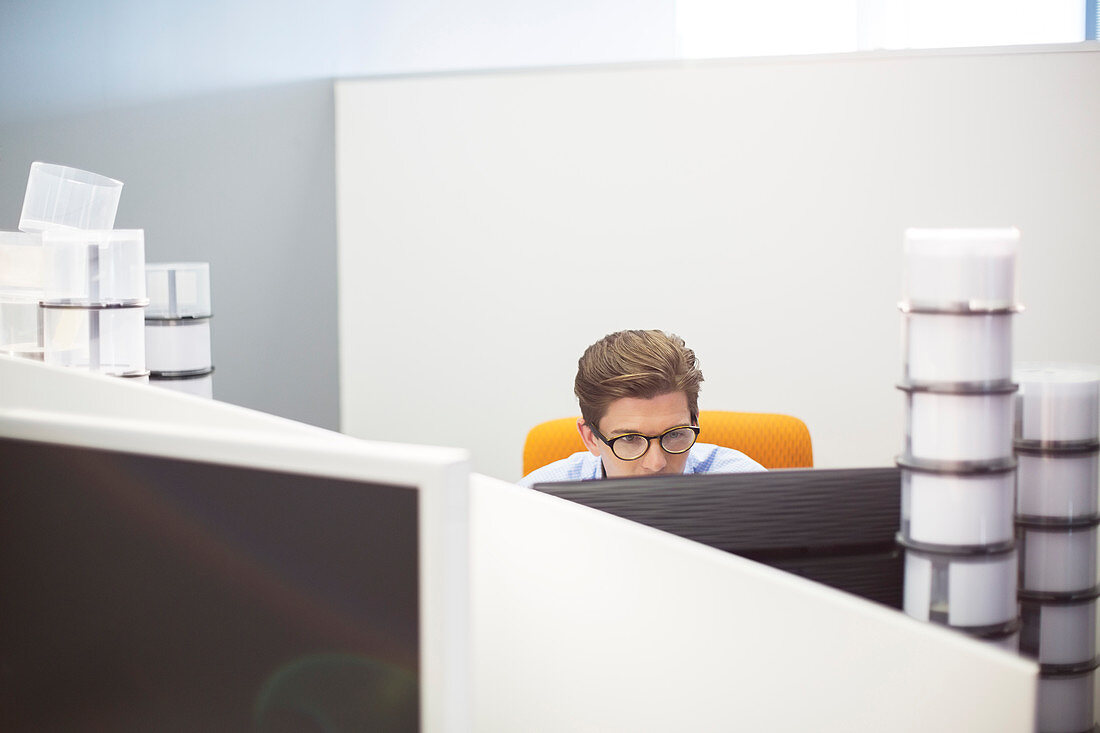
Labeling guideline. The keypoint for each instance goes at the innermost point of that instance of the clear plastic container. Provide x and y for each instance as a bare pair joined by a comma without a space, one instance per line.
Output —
1060,633
108,340
946,347
1058,485
961,269
959,426
1058,403
20,327
177,345
1067,703
957,509
20,262
178,289
201,386
961,590
60,196
1058,559
88,267
20,292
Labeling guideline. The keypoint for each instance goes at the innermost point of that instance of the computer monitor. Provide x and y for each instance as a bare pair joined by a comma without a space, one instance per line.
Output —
161,576
835,526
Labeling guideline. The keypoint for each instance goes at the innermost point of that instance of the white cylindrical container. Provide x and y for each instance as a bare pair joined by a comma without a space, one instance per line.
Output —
960,590
1058,403
953,347
1060,633
101,339
60,196
1057,485
90,267
1066,703
957,509
178,290
177,344
964,269
200,386
958,426
1058,560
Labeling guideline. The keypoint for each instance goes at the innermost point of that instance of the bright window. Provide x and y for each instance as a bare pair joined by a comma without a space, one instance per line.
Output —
723,28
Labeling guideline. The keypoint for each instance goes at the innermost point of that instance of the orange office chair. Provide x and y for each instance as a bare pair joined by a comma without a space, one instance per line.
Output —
773,441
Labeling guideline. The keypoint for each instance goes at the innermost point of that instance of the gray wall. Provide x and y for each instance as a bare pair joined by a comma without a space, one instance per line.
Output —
219,119
242,180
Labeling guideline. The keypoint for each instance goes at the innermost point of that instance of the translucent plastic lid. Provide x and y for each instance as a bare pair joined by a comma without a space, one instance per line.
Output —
961,268
60,196
20,263
1057,402
94,266
178,289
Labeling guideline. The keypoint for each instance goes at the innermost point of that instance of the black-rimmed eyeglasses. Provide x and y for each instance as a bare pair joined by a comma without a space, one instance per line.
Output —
632,446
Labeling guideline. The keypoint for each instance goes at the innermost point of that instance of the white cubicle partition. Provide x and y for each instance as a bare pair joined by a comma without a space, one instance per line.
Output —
26,383
587,622
65,409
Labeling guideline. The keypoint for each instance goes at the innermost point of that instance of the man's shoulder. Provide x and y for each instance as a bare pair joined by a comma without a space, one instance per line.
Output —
577,467
708,458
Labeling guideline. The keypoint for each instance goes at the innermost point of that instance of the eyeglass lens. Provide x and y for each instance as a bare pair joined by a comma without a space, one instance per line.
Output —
630,447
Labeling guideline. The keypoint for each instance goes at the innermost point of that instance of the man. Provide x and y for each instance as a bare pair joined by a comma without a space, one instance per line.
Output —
639,398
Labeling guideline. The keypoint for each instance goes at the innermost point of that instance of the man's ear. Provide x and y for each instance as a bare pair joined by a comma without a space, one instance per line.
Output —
591,442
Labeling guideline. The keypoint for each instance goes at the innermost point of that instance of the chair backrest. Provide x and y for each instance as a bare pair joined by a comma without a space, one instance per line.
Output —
773,441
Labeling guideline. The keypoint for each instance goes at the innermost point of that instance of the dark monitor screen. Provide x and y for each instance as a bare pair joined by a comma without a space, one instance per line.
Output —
146,593
834,526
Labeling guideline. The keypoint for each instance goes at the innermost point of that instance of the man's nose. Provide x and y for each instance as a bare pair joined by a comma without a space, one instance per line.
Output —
654,459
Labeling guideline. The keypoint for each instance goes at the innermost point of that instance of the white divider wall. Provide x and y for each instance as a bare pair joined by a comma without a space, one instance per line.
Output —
588,622
492,225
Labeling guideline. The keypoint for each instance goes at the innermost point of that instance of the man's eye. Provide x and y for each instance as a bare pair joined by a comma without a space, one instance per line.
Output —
631,440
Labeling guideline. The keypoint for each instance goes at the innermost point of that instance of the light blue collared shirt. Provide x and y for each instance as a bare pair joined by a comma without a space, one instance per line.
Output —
702,458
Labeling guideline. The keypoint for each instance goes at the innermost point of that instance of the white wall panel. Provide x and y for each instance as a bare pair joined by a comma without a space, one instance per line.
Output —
492,225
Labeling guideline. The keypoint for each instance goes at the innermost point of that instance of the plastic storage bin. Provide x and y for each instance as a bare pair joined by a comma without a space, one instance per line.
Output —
951,347
1060,560
100,339
948,424
1067,703
1058,404
20,293
962,591
1060,633
957,509
178,290
177,345
94,267
1057,485
60,196
961,269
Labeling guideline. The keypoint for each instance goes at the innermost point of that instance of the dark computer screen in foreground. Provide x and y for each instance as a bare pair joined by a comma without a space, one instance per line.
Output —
835,526
146,593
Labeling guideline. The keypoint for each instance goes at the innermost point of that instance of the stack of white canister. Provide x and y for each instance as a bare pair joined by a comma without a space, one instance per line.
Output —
177,327
92,275
1057,519
958,467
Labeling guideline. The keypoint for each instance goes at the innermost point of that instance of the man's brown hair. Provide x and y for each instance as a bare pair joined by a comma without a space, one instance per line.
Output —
640,364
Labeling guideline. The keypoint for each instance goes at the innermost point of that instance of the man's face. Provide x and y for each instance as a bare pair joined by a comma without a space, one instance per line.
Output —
646,416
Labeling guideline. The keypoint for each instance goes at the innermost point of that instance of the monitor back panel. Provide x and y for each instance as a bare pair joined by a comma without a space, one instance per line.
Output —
149,593
834,526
